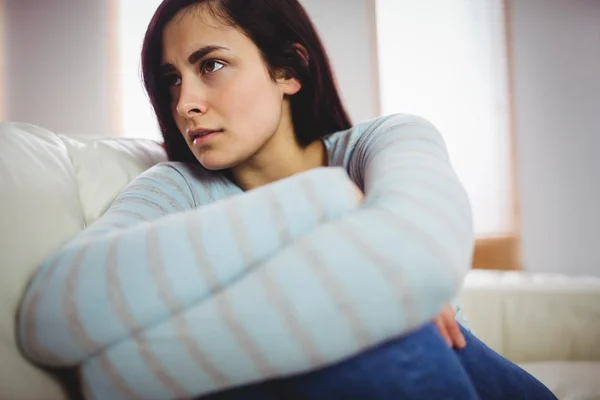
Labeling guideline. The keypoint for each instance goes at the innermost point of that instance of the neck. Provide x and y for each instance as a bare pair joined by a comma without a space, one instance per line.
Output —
279,158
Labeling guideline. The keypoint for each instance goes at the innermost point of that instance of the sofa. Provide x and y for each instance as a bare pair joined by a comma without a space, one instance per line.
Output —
52,186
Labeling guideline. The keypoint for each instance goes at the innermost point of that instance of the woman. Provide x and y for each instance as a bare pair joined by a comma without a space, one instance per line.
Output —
252,266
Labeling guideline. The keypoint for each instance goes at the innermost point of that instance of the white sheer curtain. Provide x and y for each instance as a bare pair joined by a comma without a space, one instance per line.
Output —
446,61
138,119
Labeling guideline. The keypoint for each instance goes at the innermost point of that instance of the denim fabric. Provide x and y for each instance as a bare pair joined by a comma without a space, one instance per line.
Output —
418,366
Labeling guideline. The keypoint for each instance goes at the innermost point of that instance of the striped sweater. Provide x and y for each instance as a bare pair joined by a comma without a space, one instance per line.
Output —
187,285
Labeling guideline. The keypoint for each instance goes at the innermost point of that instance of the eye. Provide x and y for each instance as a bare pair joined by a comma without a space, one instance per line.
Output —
211,66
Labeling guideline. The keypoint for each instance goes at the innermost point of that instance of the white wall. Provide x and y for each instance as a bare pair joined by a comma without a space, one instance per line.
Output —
557,72
57,64
347,28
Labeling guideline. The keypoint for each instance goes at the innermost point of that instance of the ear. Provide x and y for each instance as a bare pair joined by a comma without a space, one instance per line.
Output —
292,86
301,50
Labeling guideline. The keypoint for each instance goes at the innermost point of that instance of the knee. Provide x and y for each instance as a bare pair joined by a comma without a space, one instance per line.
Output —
418,365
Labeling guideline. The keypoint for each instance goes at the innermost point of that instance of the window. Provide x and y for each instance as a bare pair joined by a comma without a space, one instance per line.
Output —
446,60
137,118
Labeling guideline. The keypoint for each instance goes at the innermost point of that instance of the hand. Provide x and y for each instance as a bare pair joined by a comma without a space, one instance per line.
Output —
449,328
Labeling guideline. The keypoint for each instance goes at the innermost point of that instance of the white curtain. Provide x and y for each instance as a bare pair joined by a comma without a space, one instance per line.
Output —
138,119
445,60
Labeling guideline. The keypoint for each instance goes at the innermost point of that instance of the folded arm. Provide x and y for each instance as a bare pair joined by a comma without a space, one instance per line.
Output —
144,259
373,274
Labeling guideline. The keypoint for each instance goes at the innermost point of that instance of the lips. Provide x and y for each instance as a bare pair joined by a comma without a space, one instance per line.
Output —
200,134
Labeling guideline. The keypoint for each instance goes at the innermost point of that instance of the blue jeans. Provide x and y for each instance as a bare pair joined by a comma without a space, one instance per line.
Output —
418,366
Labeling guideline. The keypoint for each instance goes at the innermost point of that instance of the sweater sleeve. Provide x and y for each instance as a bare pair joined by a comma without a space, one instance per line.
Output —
389,266
375,273
138,264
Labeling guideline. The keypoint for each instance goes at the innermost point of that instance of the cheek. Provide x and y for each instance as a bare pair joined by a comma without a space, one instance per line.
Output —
252,103
179,120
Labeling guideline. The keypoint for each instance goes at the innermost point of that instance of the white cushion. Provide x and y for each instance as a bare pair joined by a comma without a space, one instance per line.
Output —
104,166
39,213
568,380
50,187
535,317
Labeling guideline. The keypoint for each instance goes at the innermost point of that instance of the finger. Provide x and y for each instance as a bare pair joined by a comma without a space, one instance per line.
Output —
454,332
449,311
443,331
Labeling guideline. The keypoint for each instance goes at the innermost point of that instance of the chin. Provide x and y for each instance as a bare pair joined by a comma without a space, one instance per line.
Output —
213,162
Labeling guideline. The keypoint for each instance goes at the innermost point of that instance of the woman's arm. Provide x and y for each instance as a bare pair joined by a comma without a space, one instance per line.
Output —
394,263
373,274
385,268
146,257
377,272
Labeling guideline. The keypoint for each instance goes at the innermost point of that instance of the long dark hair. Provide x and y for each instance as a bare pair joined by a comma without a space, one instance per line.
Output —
275,26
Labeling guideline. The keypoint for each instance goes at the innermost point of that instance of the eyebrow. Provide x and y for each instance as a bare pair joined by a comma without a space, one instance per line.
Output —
194,57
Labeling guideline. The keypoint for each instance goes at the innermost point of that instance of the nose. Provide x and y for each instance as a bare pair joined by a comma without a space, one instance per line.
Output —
190,102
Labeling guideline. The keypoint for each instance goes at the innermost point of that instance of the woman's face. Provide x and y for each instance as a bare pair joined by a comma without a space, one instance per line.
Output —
223,99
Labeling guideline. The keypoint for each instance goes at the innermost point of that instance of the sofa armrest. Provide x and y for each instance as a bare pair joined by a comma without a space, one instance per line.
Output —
534,317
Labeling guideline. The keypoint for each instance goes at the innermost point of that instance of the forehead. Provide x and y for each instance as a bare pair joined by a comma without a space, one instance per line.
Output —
196,27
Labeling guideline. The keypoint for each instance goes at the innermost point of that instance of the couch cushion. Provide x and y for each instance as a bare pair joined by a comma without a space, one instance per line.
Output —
51,186
105,165
40,212
568,380
535,317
